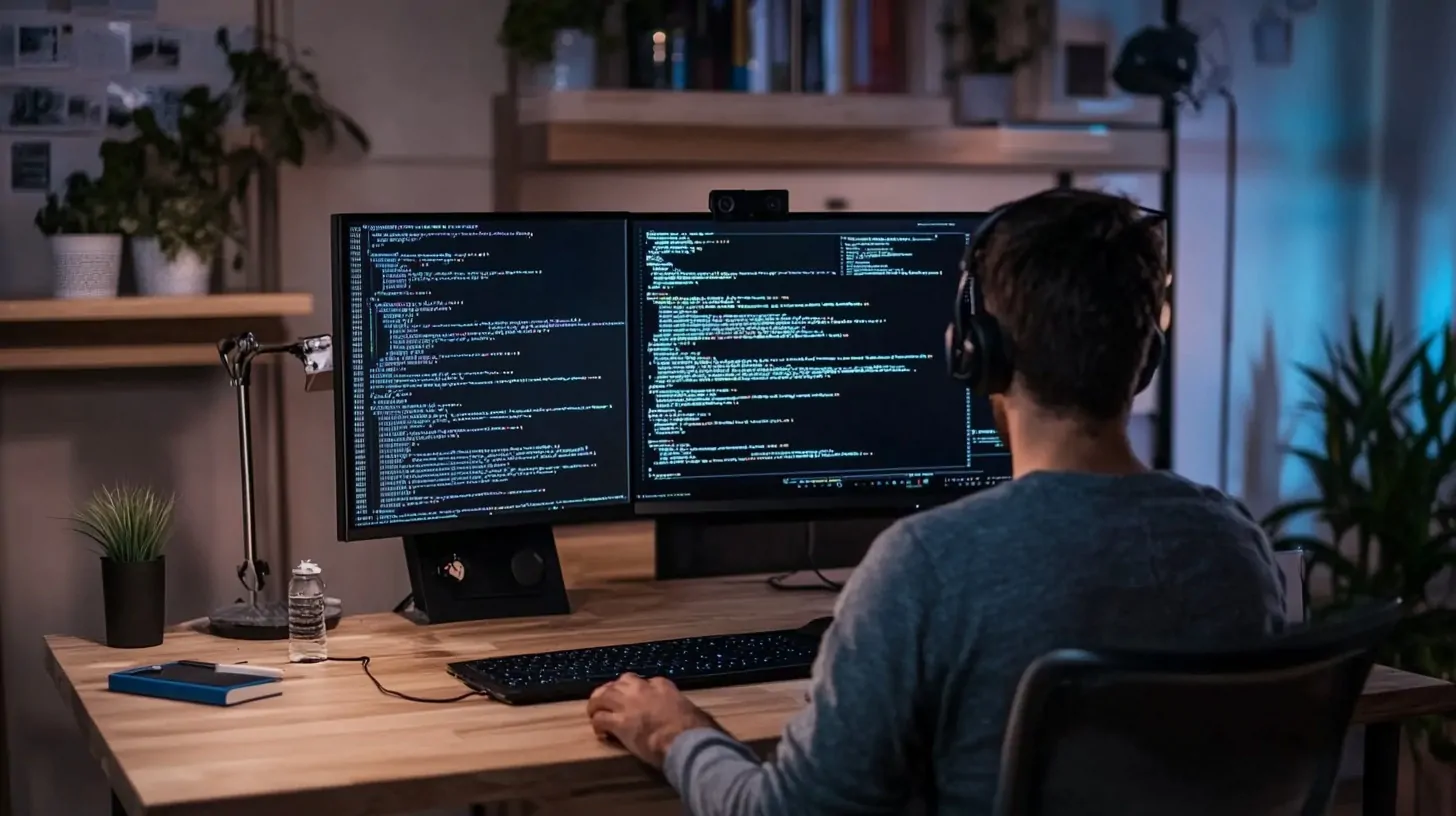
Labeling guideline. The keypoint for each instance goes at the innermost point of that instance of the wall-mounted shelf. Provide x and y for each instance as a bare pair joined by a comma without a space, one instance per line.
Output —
704,130
729,109
281,304
136,332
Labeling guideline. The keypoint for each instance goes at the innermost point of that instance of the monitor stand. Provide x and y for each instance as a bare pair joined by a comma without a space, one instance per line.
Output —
497,572
695,547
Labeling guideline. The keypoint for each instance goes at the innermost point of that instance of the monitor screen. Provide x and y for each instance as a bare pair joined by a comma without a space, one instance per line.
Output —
799,363
482,365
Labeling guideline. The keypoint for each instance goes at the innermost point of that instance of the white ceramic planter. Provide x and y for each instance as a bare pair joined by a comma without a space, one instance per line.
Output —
86,266
984,99
158,276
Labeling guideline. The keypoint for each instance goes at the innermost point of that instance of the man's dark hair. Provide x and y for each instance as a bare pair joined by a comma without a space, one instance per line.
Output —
1077,282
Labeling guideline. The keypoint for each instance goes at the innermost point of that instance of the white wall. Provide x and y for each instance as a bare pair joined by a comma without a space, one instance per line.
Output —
1317,196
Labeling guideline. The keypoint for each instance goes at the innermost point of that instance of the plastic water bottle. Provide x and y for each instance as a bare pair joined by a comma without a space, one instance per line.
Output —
307,636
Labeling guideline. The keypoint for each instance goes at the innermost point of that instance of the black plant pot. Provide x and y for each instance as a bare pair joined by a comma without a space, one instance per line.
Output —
135,597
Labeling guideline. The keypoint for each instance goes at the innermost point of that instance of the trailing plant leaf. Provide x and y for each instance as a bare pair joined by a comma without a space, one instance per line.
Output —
128,525
191,186
1382,469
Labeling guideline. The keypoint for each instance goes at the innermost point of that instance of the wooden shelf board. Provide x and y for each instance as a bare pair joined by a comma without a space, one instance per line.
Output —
77,358
736,110
265,304
977,148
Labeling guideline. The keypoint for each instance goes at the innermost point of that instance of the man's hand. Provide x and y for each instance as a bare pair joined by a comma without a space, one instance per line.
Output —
644,715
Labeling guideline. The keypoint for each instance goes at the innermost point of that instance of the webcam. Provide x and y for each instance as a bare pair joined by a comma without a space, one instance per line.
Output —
748,205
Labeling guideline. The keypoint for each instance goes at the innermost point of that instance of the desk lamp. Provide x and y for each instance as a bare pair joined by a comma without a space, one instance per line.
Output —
252,618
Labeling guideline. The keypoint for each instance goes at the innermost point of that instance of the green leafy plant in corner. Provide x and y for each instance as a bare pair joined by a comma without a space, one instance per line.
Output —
1384,497
128,525
530,26
980,31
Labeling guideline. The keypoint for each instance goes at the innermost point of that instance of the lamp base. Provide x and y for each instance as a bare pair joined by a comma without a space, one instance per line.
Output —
267,620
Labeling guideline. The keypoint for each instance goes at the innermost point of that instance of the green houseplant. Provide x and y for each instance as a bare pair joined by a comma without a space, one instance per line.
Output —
982,75
1384,502
547,35
130,528
189,205
83,225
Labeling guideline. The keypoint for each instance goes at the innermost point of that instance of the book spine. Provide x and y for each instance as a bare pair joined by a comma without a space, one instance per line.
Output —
779,51
720,34
811,31
759,78
830,44
796,45
860,35
680,78
741,34
185,692
882,46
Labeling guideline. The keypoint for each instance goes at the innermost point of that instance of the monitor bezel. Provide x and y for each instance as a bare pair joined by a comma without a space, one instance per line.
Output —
859,505
343,430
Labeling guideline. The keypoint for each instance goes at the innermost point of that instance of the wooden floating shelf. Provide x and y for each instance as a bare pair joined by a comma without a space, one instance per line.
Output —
705,130
96,357
136,332
728,109
580,146
157,308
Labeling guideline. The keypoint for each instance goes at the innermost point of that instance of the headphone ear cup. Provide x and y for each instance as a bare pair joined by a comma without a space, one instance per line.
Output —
1157,350
993,360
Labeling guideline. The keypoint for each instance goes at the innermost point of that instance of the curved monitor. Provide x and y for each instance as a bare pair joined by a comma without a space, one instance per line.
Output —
482,373
796,365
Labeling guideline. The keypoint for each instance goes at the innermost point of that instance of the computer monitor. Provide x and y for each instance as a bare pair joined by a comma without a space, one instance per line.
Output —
482,366
797,365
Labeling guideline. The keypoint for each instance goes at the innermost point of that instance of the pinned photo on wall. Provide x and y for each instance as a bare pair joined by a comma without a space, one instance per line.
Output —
43,107
156,49
122,102
43,45
30,167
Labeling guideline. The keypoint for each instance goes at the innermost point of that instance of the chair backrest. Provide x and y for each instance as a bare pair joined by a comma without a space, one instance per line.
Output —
1252,732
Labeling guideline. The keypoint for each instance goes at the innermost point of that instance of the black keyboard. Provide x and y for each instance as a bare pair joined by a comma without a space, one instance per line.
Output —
691,663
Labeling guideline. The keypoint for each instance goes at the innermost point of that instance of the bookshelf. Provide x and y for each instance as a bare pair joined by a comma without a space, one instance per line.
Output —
136,332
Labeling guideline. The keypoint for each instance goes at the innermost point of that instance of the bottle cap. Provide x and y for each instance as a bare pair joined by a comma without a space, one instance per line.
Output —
306,567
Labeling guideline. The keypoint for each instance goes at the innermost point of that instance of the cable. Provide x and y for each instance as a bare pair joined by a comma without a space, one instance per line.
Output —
364,663
1230,246
826,584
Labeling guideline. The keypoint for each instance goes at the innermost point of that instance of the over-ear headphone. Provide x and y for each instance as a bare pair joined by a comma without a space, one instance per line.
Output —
977,351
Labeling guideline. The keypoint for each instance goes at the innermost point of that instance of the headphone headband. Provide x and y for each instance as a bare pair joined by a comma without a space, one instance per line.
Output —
977,351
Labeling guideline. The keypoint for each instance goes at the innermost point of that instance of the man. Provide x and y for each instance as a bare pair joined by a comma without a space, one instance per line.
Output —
1084,547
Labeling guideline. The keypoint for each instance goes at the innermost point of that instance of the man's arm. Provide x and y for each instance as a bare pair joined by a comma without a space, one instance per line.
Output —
849,751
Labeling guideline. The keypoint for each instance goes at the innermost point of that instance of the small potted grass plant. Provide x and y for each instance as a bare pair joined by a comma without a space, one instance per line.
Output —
130,527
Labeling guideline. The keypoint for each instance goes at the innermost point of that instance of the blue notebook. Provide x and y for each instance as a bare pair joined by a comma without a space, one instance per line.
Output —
194,684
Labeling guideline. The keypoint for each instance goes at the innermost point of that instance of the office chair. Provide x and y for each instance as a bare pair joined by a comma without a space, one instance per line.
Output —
1254,732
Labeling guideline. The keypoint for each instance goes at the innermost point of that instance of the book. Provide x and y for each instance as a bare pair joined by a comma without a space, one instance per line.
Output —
194,683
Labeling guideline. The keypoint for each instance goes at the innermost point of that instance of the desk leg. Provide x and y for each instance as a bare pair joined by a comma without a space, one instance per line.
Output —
1382,769
116,808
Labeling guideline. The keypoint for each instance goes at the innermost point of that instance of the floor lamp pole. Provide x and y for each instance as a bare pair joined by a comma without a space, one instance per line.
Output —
1230,209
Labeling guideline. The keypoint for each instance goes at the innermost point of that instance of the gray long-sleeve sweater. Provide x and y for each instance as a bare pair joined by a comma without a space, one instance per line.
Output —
914,681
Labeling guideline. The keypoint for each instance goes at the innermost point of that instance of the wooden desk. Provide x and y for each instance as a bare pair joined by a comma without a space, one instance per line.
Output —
333,744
